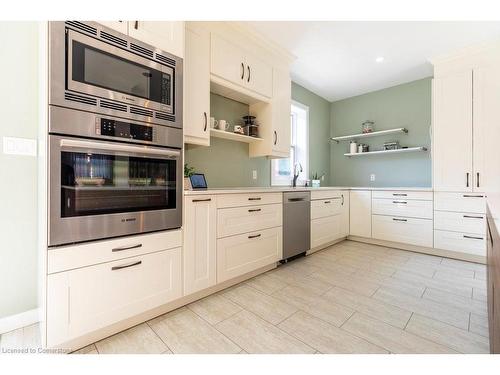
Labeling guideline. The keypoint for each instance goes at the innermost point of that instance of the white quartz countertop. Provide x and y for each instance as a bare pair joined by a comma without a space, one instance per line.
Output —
280,189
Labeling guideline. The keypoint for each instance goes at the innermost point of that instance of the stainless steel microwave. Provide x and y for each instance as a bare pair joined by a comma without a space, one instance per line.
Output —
96,69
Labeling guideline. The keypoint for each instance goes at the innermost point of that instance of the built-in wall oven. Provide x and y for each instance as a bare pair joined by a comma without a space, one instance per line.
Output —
111,177
94,68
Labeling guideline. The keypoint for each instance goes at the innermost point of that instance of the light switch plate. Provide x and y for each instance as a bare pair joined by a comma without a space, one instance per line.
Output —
19,146
254,174
372,177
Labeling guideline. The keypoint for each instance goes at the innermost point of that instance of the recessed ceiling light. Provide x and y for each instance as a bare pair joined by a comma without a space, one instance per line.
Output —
379,59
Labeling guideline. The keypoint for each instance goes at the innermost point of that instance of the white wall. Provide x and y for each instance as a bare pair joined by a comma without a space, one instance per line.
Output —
18,174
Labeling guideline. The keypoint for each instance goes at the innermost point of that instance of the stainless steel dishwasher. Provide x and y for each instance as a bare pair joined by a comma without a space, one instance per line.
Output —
296,223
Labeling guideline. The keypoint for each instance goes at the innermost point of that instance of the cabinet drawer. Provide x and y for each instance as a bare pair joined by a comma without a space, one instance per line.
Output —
327,194
240,200
71,257
238,220
402,229
463,242
87,299
325,230
460,222
237,255
326,207
402,207
392,194
460,202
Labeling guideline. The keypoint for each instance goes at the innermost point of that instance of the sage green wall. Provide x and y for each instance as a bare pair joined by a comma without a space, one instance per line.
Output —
18,187
226,163
319,130
407,105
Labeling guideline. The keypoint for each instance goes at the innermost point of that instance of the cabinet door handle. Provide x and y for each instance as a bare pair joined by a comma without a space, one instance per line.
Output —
254,199
399,194
399,219
206,120
400,202
342,195
473,217
136,25
116,249
472,196
201,200
242,70
473,238
126,266
255,210
275,137
254,236
477,179
248,78
327,202
467,180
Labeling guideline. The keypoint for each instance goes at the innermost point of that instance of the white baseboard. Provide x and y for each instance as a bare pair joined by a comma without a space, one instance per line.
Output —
13,322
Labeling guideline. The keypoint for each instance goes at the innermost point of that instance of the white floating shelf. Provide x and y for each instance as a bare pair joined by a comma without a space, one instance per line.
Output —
233,136
368,135
398,151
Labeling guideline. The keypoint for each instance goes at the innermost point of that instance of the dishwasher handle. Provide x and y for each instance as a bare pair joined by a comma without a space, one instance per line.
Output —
296,199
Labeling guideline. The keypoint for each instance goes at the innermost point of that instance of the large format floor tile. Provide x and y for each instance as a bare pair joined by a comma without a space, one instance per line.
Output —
464,303
266,283
140,339
391,338
432,309
267,307
325,337
214,308
185,332
255,335
382,311
458,339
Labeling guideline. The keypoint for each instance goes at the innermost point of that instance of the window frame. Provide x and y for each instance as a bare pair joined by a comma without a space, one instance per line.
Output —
293,147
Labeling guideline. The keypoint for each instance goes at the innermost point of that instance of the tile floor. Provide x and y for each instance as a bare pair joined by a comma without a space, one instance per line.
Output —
349,298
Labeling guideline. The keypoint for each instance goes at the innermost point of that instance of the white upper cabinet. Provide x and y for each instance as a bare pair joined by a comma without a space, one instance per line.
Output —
274,117
227,60
240,67
120,26
452,132
197,87
486,129
165,35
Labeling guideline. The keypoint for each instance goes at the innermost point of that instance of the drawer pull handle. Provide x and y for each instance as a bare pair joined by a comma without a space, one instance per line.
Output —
126,266
473,217
399,219
254,236
472,196
202,200
473,238
255,210
400,194
400,202
116,249
254,199
327,202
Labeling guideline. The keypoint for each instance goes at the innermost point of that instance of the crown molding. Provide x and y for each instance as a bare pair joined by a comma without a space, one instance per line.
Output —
466,52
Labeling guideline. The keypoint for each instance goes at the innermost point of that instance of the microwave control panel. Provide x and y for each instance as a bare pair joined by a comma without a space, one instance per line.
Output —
120,129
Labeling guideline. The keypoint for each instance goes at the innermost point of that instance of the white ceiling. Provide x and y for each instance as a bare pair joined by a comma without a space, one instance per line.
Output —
336,59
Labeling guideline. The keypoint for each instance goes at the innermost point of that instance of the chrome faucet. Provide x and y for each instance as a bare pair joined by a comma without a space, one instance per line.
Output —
296,171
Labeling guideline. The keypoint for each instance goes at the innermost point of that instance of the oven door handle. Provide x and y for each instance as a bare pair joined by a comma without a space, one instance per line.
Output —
118,147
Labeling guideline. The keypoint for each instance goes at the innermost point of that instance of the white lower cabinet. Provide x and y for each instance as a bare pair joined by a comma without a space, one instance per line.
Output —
460,202
469,243
237,220
460,222
240,254
90,298
360,223
325,230
325,207
402,229
402,207
199,243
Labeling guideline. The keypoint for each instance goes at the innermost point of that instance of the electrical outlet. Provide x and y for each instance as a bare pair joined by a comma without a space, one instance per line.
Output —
323,178
19,146
372,177
254,174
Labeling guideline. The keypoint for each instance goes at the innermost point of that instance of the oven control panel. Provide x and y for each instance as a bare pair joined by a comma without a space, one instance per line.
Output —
121,129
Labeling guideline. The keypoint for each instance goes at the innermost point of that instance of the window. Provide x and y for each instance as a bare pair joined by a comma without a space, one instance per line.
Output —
282,169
